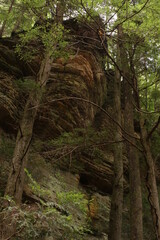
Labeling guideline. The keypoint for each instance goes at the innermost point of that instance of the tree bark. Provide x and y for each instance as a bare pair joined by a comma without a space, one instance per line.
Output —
136,223
15,182
151,184
136,229
115,225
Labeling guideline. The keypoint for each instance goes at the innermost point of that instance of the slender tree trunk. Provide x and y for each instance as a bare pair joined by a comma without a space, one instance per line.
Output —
151,184
151,179
60,11
136,224
15,182
115,225
5,21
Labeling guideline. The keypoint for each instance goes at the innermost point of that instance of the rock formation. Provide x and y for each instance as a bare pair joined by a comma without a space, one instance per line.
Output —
73,86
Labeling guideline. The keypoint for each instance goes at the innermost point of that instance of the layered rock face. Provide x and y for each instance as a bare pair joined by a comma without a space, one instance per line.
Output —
80,76
70,83
75,88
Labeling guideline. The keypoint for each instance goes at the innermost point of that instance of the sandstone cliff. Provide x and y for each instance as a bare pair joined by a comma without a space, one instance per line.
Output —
67,110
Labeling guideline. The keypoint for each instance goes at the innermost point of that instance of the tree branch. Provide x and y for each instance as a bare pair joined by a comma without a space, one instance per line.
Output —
153,129
115,12
131,16
92,103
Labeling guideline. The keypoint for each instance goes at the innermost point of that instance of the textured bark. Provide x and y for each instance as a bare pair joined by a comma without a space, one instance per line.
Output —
151,184
136,224
15,182
136,229
151,179
134,171
115,225
16,177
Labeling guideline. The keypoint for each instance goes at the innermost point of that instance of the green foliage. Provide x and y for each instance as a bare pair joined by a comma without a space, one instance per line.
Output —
48,37
68,138
75,198
36,188
49,218
35,3
9,199
155,94
68,149
26,85
80,136
142,29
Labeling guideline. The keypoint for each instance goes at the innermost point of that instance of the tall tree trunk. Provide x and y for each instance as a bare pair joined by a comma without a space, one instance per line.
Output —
15,182
136,224
151,184
151,179
115,225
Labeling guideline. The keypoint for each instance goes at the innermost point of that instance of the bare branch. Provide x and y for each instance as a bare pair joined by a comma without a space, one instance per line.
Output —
149,85
153,129
115,12
145,112
92,103
131,16
90,15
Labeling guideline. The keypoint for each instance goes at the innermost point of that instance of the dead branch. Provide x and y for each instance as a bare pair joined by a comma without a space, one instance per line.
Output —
153,129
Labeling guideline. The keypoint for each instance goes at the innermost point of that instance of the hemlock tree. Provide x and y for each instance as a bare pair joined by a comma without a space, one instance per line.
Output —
115,224
144,32
136,224
147,37
50,38
150,178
